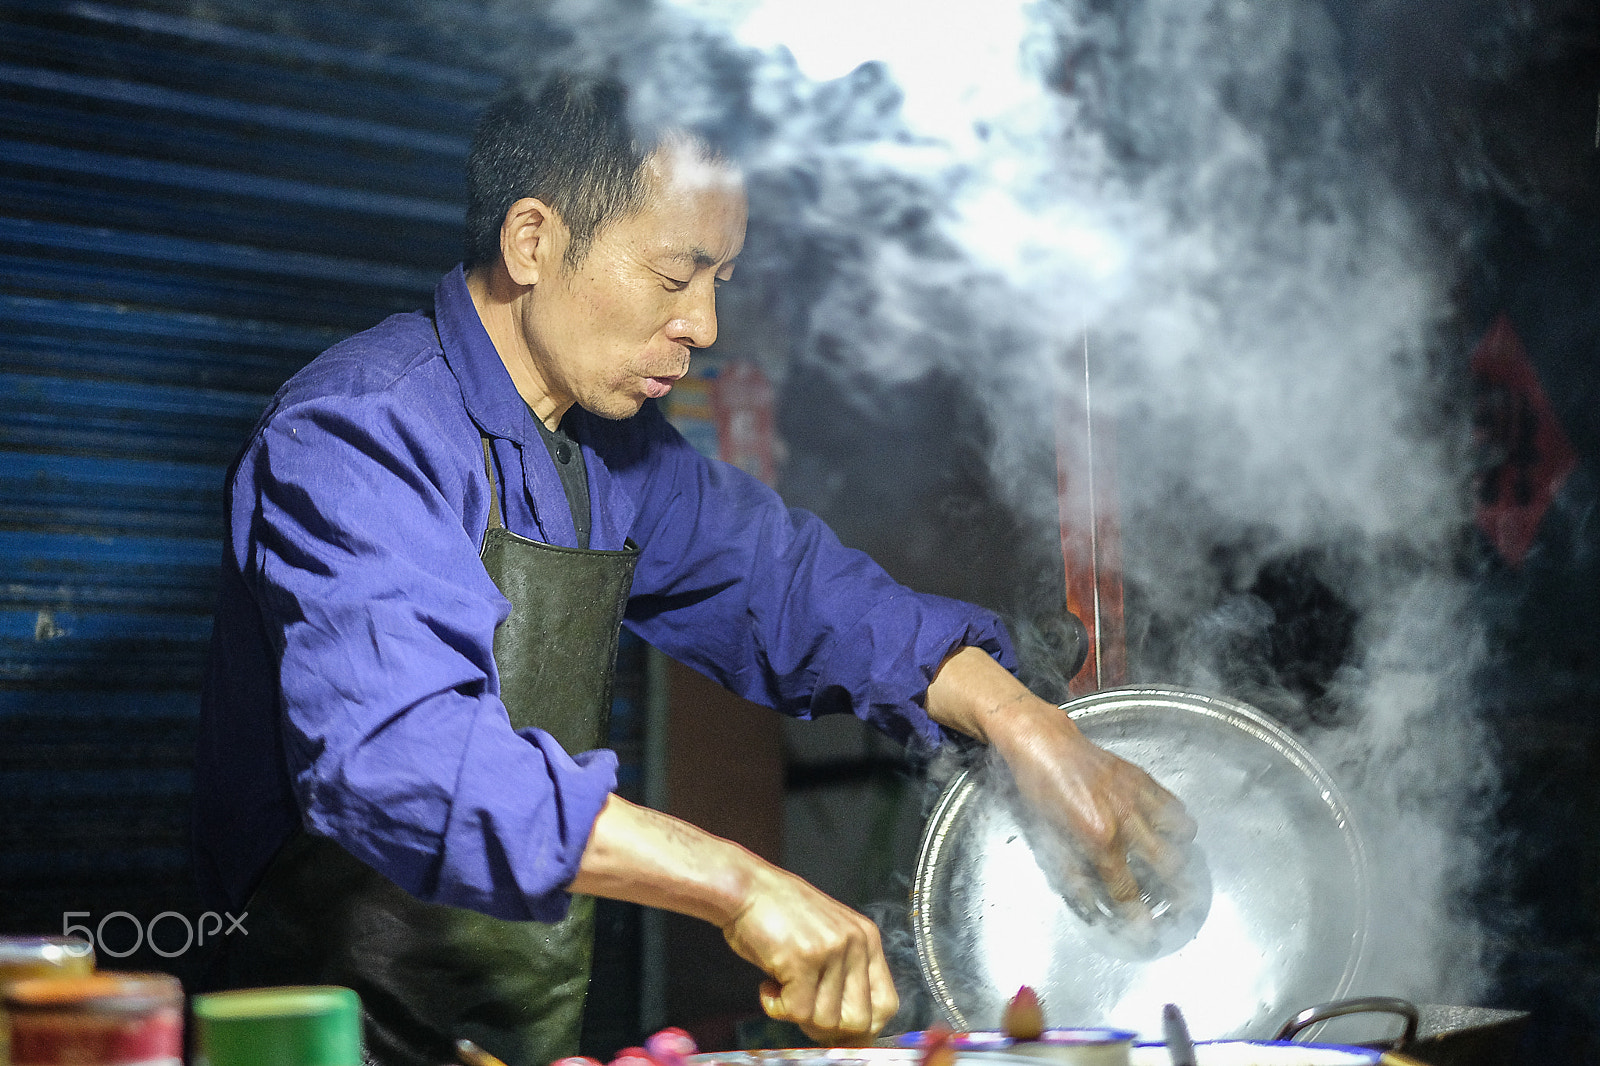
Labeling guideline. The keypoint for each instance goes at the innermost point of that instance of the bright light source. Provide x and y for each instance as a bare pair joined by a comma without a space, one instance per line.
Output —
955,60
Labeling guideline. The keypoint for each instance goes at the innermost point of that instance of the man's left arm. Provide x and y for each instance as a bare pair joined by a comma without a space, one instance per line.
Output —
766,601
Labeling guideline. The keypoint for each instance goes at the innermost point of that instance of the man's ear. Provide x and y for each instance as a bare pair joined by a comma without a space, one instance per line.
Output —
532,241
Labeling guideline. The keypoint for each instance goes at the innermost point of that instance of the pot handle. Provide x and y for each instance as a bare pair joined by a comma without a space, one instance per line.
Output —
1367,1005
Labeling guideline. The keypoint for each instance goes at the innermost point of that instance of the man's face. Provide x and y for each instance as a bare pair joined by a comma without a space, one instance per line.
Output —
616,328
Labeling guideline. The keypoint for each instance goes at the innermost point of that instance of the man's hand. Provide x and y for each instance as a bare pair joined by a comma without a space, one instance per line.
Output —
824,962
1112,812
1110,808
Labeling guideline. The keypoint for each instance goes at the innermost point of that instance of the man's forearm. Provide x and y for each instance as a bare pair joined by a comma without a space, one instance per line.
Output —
824,961
973,694
643,856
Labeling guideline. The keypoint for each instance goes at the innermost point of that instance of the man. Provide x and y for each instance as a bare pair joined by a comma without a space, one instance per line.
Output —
434,533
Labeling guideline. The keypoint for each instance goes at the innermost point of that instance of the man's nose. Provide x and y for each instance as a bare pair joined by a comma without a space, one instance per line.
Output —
696,324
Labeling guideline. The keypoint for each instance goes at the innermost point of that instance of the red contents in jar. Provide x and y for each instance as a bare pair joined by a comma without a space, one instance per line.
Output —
101,1020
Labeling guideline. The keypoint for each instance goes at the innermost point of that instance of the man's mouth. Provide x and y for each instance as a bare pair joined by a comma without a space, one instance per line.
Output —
657,387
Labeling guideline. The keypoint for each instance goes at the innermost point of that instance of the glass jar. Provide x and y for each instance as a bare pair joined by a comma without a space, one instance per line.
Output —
104,1019
22,957
44,956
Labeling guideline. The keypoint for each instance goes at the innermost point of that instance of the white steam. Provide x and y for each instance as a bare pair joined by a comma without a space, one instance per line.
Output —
1188,183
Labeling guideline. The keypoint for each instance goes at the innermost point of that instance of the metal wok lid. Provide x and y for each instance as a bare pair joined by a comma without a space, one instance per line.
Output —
1288,877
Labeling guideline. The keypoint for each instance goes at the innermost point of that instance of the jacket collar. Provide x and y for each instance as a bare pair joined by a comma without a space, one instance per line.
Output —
491,398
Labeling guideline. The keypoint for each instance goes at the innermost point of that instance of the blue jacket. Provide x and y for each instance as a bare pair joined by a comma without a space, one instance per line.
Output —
352,686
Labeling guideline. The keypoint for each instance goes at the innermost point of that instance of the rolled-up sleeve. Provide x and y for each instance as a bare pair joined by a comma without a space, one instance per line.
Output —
764,598
397,744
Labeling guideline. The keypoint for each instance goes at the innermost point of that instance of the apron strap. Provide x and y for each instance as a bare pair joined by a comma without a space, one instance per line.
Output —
495,521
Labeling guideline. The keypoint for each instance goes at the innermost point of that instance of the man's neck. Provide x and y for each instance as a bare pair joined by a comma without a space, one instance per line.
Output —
497,300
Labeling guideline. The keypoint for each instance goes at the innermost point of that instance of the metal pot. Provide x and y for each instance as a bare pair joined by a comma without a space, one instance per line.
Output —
1072,1047
848,1056
1261,1053
1287,870
1439,1035
993,1046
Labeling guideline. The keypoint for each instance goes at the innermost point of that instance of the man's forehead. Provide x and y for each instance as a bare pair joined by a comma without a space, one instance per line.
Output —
698,206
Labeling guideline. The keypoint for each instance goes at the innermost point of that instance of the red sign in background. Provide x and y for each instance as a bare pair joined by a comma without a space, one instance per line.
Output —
742,402
1527,455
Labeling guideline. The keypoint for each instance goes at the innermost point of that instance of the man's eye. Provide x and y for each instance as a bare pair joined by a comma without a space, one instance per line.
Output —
674,284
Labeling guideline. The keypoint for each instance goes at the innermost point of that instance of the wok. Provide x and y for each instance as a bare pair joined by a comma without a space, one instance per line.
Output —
1431,1033
1289,871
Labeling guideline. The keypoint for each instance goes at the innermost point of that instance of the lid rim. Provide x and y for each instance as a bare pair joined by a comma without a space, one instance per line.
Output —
105,992
960,992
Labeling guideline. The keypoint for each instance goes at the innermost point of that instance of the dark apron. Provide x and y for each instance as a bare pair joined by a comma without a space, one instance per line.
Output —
429,974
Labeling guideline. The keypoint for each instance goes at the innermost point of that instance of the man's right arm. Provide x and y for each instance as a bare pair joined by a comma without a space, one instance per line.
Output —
352,541
825,962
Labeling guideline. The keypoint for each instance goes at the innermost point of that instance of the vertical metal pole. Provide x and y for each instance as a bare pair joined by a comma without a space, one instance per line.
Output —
1086,487
1096,634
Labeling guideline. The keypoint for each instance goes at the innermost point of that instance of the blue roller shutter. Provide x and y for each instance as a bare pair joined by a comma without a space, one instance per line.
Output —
188,212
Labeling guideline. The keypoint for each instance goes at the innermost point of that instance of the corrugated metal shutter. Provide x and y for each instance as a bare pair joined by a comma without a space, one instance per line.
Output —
188,212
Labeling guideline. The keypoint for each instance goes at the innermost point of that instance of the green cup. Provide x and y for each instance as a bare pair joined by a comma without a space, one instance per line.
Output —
304,1025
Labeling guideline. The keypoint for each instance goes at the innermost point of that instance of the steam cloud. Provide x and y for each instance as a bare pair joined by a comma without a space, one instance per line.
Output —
1203,190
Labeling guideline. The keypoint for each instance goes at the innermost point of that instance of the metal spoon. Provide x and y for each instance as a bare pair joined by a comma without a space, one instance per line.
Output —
473,1055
